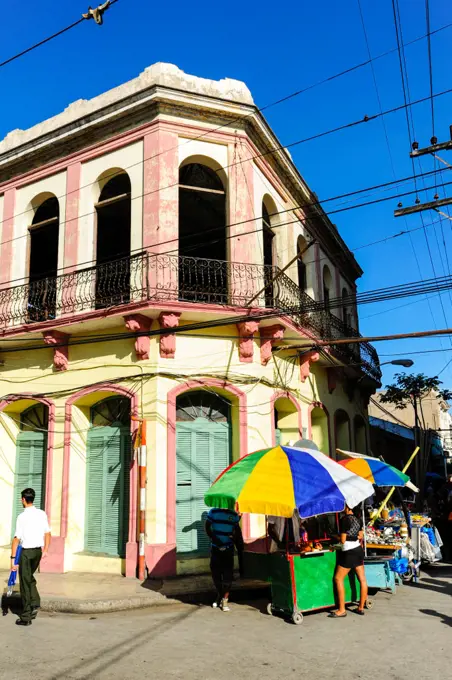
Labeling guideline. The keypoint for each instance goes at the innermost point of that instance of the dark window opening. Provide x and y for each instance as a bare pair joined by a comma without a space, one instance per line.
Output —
301,267
113,242
43,261
202,235
269,274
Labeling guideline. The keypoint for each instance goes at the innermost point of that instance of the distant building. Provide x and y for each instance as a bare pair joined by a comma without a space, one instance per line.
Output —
165,202
392,431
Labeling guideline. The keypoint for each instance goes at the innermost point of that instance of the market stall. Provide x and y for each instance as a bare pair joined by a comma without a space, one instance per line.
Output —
384,536
280,482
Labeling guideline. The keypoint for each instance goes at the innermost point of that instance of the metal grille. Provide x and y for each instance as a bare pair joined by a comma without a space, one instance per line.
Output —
161,278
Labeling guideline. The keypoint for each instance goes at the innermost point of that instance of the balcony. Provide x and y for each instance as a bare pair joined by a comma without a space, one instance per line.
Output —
146,277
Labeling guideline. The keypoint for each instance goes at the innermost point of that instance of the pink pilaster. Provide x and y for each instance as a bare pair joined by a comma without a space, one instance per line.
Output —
161,206
7,232
242,248
68,293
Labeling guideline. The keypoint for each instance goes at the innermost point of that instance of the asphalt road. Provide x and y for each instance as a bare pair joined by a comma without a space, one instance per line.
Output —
405,636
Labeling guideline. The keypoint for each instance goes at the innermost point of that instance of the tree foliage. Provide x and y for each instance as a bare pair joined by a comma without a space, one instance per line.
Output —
409,388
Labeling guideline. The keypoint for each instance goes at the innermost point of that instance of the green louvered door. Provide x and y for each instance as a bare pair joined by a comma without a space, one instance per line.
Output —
31,456
107,490
202,452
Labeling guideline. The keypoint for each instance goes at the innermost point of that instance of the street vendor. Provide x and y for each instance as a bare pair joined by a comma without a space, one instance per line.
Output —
351,556
283,532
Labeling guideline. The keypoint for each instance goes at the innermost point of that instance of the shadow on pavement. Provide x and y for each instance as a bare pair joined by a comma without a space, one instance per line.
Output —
447,620
97,661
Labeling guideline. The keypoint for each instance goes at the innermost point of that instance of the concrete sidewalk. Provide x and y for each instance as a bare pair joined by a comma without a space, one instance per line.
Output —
78,593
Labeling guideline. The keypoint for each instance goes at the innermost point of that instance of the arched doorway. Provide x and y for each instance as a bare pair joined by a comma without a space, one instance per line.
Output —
108,461
342,430
359,426
113,240
43,258
202,235
203,450
287,424
320,429
31,456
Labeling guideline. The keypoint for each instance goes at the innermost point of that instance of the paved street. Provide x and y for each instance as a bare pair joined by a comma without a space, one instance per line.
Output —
403,635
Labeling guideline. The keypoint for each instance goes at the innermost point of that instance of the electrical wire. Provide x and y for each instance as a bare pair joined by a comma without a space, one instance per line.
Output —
261,109
259,229
46,40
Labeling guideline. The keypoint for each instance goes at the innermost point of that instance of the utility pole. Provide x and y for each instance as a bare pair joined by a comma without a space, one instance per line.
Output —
417,444
415,153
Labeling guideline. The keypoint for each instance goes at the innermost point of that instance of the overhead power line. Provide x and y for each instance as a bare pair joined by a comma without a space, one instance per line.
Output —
178,239
60,32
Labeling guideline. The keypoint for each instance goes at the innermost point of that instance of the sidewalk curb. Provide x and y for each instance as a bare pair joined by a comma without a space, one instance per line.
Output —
158,600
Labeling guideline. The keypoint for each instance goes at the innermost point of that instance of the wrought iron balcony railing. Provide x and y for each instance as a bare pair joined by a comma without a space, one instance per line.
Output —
165,278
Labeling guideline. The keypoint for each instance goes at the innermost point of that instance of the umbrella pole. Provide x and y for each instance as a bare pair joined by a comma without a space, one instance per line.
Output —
364,530
412,457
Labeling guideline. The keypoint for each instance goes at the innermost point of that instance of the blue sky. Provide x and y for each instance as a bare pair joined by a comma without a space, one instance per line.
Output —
277,51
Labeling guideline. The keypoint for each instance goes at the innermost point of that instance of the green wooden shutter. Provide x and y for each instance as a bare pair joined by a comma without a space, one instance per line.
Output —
31,450
202,452
107,490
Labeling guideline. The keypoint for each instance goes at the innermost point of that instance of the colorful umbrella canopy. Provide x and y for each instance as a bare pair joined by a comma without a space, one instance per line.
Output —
376,471
283,479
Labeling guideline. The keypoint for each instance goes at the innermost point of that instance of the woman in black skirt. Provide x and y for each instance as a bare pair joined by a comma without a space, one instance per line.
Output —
350,557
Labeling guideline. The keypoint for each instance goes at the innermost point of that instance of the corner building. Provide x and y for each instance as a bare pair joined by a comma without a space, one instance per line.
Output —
163,203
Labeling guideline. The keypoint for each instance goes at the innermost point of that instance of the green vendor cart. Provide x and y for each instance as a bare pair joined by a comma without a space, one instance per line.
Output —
300,583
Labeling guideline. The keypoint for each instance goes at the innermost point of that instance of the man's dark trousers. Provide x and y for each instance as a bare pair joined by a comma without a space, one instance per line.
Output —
222,568
29,562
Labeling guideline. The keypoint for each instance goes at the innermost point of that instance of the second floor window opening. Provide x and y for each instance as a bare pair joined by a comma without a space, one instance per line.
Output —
327,286
301,267
268,236
113,212
346,313
43,260
203,269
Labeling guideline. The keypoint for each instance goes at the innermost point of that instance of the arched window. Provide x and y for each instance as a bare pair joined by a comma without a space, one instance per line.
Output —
286,421
203,451
320,429
43,266
302,278
327,286
342,430
108,461
346,315
268,236
113,240
202,234
360,435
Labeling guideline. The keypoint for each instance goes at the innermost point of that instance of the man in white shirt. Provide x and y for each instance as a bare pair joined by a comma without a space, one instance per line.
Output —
33,532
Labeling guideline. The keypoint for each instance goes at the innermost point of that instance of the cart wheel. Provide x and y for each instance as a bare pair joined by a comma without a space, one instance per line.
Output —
369,604
297,618
269,609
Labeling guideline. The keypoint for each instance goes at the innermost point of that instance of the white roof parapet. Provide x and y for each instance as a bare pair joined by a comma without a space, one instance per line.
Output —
165,75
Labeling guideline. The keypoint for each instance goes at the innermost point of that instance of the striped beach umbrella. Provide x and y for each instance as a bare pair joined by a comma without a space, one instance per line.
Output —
282,479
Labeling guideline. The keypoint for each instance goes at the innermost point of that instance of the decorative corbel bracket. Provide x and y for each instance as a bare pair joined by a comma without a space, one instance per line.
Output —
306,360
135,323
246,330
168,341
269,334
60,353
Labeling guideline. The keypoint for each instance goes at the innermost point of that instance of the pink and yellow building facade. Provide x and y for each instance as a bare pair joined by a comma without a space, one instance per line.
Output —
143,234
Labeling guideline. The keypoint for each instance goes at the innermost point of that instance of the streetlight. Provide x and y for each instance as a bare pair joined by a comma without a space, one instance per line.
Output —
407,363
